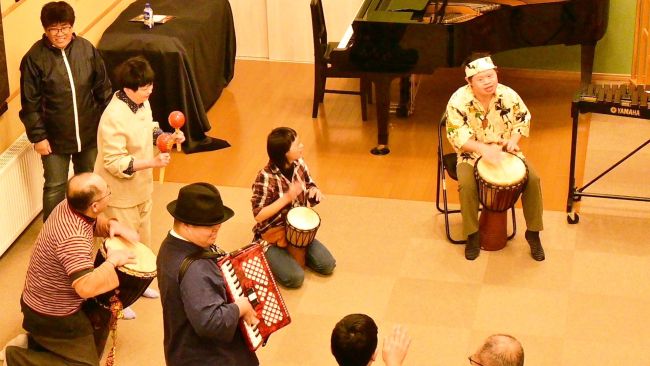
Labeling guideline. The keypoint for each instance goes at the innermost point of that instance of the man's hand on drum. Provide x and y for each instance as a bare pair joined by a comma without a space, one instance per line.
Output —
511,145
246,311
120,257
491,153
118,229
314,195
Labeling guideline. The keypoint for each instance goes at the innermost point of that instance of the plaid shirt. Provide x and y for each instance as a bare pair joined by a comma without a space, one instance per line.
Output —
270,185
506,114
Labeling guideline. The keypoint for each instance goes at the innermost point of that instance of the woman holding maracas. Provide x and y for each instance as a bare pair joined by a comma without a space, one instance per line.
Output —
125,143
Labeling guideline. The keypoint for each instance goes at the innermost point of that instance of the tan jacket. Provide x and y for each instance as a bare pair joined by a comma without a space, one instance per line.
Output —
122,136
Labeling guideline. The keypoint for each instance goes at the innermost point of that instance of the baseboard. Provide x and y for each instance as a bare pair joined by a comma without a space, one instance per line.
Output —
597,78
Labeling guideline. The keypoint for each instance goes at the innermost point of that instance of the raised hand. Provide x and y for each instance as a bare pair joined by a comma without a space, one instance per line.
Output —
396,345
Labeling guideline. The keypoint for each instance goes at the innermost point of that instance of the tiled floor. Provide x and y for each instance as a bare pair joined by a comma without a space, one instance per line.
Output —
586,304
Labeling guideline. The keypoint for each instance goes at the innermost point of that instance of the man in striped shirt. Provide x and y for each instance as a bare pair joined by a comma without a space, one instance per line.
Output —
61,276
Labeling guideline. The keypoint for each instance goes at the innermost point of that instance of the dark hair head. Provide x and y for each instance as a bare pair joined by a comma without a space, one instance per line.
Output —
57,12
502,350
82,191
354,340
134,73
278,143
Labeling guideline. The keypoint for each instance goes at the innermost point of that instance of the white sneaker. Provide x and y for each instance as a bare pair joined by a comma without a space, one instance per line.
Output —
128,313
18,341
151,293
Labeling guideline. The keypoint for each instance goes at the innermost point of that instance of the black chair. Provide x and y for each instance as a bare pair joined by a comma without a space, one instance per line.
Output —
447,164
324,69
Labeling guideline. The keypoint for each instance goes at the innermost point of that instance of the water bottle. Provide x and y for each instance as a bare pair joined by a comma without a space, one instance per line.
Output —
148,16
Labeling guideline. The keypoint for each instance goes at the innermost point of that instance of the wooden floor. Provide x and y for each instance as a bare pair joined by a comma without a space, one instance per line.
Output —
265,95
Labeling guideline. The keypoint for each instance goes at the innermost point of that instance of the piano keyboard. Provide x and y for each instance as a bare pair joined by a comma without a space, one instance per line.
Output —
346,37
236,290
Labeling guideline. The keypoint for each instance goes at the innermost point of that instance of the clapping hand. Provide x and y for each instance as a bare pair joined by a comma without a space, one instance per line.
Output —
314,195
396,345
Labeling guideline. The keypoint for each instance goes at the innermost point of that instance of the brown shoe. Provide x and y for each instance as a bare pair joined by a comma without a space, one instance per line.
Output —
473,247
536,250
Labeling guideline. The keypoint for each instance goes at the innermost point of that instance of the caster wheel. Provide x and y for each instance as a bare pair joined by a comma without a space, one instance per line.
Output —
573,218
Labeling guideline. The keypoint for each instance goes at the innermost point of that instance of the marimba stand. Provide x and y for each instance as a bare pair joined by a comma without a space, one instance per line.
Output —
616,100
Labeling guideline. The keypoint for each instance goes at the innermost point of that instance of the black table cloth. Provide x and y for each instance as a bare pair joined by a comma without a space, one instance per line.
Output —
193,56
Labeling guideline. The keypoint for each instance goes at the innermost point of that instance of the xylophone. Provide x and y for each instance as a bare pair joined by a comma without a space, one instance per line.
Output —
617,100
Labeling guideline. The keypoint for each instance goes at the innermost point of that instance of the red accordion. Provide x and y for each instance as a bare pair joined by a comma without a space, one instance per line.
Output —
247,273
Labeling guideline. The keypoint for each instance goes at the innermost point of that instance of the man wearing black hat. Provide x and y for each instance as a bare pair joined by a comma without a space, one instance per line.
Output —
200,327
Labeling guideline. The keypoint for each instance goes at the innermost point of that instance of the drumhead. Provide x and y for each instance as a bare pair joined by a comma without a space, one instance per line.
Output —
145,259
509,171
303,218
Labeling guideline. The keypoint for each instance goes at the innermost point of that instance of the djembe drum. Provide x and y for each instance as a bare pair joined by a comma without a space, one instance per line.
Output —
301,228
134,278
499,187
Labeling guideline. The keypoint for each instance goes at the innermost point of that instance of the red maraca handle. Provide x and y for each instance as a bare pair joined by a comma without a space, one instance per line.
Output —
164,141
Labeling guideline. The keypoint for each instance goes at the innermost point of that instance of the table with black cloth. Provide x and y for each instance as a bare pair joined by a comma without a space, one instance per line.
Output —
193,56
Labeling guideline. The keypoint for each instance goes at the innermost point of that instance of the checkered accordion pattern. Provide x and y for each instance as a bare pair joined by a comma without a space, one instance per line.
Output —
247,273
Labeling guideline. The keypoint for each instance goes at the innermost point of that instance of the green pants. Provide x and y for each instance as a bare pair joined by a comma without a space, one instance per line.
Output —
76,340
531,199
55,352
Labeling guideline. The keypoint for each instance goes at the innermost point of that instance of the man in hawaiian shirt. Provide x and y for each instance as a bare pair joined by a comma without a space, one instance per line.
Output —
483,119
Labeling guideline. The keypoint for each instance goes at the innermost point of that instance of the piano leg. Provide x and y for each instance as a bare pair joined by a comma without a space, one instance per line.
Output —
382,104
404,96
587,51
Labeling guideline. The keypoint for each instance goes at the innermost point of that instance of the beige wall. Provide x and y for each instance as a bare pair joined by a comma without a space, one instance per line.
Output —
22,27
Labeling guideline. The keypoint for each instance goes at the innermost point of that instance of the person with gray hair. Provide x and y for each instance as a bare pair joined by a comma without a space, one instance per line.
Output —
499,350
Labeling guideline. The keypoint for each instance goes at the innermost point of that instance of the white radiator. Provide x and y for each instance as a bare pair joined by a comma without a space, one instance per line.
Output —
21,188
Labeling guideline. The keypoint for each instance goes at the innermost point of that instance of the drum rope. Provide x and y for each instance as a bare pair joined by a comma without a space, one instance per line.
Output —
116,314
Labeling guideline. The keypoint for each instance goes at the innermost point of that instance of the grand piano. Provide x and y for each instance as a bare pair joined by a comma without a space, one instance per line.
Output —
391,39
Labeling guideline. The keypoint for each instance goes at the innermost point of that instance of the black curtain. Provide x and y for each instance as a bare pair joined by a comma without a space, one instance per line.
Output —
4,81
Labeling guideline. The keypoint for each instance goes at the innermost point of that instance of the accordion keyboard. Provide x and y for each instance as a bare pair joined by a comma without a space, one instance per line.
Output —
237,291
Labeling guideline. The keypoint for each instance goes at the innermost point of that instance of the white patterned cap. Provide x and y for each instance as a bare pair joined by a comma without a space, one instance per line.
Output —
479,65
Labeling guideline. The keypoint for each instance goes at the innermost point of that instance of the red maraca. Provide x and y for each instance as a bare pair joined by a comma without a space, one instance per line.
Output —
164,141
177,120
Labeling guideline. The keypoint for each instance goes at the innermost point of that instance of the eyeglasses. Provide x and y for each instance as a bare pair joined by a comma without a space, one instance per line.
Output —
472,362
105,196
63,30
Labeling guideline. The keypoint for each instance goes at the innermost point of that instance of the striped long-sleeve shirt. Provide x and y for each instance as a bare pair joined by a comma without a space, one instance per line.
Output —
63,253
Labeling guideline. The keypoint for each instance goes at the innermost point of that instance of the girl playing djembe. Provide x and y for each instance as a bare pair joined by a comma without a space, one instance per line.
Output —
284,183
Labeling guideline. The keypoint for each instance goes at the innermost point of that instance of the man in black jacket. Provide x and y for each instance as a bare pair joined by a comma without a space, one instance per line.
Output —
64,89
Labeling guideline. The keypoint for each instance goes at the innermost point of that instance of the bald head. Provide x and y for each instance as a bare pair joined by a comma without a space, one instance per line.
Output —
83,190
501,350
